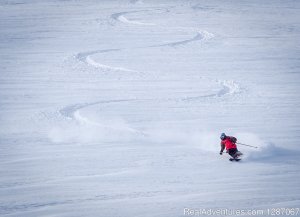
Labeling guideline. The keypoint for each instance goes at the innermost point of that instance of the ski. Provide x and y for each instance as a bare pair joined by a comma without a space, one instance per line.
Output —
235,159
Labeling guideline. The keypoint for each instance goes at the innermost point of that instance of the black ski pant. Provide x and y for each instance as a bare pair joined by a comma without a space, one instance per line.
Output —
232,152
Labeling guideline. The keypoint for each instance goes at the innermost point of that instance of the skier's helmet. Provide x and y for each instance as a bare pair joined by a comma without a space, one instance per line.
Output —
223,136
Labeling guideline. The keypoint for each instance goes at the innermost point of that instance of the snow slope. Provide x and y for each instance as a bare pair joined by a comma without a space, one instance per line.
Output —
114,108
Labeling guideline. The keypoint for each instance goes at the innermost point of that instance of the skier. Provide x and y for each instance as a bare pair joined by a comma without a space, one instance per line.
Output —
228,142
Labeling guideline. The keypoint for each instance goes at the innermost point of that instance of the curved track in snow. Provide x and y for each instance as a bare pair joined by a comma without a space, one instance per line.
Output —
227,88
201,35
131,123
73,111
69,111
86,58
122,18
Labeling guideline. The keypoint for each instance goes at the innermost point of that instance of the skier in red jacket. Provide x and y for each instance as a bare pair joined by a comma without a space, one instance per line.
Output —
228,142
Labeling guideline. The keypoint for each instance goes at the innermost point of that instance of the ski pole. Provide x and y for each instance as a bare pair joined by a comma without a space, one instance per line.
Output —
247,145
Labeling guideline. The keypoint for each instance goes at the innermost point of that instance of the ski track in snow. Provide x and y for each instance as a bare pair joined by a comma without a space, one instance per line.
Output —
201,35
227,87
125,142
73,112
86,56
82,56
120,17
95,64
69,111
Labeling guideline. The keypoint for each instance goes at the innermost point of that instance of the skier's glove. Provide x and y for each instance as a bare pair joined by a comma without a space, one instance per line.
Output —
221,152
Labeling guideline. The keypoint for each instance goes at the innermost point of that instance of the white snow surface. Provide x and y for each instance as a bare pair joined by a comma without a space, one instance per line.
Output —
114,108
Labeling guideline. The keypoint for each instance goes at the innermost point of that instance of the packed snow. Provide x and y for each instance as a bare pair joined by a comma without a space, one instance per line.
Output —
115,108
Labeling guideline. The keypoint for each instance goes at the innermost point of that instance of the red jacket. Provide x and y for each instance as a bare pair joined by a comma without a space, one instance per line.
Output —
228,143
